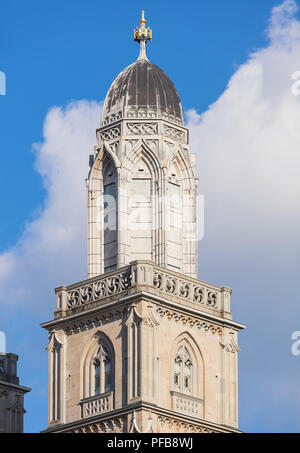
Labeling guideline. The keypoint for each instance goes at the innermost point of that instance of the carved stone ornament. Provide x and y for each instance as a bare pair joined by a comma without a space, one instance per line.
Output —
142,128
99,289
193,322
231,346
111,133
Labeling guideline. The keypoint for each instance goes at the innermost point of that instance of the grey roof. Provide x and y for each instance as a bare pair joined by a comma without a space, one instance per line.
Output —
142,87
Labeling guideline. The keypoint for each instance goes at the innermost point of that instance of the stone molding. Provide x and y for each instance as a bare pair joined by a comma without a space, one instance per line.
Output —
111,425
173,315
95,321
121,421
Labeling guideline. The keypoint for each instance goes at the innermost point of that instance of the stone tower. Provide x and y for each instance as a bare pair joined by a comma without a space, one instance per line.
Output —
142,345
11,395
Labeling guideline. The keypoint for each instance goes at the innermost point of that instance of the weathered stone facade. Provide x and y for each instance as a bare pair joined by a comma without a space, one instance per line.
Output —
143,323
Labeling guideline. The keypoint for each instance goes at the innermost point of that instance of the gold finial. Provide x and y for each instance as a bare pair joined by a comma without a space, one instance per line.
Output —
143,21
143,34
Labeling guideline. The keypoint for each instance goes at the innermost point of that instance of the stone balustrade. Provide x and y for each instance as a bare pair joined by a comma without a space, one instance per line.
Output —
97,404
188,405
144,276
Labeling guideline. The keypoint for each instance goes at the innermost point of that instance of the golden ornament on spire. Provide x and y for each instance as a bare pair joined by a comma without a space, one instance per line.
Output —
143,34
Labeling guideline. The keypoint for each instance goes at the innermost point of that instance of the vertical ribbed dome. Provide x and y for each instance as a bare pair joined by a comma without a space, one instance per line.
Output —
142,90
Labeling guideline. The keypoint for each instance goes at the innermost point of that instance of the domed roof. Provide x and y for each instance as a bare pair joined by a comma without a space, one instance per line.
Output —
142,90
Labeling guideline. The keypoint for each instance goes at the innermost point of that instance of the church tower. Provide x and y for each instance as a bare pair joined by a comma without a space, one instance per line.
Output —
11,395
142,345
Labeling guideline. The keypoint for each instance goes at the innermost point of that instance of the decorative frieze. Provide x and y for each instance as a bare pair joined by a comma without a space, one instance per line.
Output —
111,133
174,133
171,119
142,112
191,321
95,321
187,290
112,425
112,118
99,289
171,425
142,128
164,424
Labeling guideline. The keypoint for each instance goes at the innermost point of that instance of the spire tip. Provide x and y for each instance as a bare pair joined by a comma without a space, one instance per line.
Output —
143,33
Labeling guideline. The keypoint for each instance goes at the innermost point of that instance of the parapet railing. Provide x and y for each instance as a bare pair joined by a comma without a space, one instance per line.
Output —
146,276
97,404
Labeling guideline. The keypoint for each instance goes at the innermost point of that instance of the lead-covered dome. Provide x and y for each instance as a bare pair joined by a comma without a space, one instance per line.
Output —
142,90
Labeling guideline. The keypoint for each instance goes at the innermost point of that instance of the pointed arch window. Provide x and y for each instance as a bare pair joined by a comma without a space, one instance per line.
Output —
110,215
109,197
183,371
102,371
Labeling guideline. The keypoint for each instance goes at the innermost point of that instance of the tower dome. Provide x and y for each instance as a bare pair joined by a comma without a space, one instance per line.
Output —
142,90
142,164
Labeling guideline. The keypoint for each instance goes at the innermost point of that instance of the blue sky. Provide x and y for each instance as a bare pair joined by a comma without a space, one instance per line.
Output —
55,52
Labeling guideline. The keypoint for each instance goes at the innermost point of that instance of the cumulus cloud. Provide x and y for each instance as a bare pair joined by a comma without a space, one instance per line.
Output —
247,143
248,152
52,249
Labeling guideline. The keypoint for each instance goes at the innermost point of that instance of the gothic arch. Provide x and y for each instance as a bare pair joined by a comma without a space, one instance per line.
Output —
96,186
198,385
142,150
183,164
184,188
144,215
102,157
87,365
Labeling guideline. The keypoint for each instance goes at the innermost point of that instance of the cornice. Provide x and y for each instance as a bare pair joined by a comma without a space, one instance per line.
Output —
119,309
122,413
15,387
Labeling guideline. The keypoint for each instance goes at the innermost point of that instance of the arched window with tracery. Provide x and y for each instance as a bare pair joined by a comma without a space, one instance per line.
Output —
110,215
98,376
183,371
174,219
141,211
102,371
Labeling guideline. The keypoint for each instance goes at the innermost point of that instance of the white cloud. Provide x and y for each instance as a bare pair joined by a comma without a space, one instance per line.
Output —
52,250
248,152
283,26
247,144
